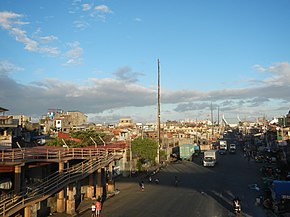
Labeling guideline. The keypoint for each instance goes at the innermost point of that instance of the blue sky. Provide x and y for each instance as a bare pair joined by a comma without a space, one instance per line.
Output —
100,57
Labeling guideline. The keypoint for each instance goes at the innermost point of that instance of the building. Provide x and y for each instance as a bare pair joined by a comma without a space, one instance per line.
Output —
22,120
125,122
58,120
77,118
9,129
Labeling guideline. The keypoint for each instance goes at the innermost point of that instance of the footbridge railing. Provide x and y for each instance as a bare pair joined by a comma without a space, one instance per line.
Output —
51,154
54,183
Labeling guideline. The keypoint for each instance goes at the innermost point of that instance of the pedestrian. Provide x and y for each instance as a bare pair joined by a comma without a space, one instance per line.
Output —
98,208
100,199
249,157
142,186
93,210
175,181
157,180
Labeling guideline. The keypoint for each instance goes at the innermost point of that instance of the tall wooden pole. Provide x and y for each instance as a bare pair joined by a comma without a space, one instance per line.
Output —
158,113
212,126
218,119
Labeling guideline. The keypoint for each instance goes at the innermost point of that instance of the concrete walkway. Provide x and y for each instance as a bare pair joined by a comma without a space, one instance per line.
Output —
122,183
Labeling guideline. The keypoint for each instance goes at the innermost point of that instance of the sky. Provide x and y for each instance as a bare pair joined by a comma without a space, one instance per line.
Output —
100,57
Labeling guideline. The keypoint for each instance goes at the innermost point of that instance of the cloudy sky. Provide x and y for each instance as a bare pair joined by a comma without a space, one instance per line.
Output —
100,57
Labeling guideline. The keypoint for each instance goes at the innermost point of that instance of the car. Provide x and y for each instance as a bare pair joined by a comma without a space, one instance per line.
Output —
232,148
222,151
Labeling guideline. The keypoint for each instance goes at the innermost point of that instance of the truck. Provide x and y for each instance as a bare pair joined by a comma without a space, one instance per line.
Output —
280,192
186,151
210,158
223,147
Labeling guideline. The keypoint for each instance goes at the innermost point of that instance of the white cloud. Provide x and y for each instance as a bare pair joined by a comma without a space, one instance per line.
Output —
103,8
86,7
100,12
80,24
47,39
138,19
74,54
279,73
259,68
7,67
100,95
9,21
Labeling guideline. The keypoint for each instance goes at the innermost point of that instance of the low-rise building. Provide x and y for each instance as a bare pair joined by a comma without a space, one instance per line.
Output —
125,122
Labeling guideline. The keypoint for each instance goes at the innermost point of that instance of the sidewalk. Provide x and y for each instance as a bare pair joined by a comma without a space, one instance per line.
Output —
122,183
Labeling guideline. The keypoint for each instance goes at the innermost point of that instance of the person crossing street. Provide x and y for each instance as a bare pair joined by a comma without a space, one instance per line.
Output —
98,208
93,207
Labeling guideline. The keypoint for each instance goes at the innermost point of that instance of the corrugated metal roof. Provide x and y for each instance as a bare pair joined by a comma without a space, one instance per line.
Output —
3,109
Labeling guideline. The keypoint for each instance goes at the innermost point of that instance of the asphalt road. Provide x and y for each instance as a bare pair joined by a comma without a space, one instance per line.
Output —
202,191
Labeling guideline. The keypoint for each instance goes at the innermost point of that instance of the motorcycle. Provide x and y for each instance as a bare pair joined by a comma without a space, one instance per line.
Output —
237,207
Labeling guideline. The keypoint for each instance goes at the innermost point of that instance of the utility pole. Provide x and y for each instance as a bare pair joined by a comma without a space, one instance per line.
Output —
158,113
130,165
212,126
218,111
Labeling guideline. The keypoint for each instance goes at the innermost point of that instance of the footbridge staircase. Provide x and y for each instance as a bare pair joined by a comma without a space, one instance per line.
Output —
22,201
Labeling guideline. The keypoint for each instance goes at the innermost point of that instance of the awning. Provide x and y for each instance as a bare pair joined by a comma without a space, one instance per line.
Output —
258,134
280,189
3,109
282,143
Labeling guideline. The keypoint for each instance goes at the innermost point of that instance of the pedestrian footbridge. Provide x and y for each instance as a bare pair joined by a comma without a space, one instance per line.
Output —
65,176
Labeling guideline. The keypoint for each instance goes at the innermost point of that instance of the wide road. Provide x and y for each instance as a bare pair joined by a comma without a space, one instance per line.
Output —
202,191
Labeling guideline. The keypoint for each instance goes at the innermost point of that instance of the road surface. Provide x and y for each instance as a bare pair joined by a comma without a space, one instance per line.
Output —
202,191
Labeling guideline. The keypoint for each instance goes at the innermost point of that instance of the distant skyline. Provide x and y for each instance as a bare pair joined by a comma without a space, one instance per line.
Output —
100,57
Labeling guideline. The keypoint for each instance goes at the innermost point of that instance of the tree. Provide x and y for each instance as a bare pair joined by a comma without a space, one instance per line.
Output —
85,137
144,149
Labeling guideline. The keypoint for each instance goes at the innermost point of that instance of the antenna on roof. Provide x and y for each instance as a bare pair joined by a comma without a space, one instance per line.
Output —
102,140
93,141
64,144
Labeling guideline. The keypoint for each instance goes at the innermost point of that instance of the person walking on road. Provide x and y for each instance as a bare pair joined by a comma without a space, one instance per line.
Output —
98,208
142,186
93,210
175,181
150,179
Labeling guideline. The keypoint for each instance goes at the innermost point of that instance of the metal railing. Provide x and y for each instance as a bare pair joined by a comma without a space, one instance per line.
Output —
95,159
52,184
50,154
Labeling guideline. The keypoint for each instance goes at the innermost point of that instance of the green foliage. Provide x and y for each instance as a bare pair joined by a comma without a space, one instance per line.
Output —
84,136
162,154
139,165
54,142
59,143
144,149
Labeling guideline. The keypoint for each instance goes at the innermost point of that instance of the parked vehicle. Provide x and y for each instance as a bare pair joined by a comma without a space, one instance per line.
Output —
210,158
281,196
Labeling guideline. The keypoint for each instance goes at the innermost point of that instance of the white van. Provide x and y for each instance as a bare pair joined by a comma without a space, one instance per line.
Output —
232,148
